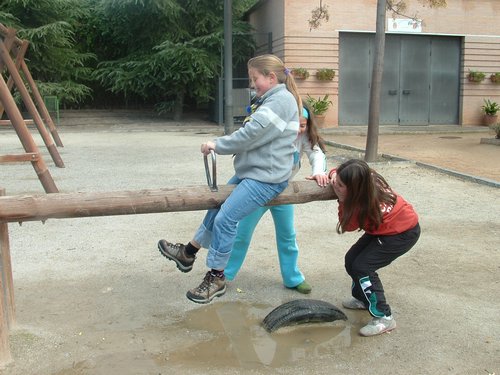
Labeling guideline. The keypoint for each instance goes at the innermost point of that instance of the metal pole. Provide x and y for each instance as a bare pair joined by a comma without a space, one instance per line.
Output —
228,68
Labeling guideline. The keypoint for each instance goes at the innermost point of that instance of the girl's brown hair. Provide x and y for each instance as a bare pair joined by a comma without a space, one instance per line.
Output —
312,129
265,64
366,192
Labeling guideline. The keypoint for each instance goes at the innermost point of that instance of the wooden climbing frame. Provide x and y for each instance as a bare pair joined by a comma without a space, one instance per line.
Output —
10,46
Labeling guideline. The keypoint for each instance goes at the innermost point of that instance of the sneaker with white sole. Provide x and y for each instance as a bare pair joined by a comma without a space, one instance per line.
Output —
177,253
378,326
212,286
354,304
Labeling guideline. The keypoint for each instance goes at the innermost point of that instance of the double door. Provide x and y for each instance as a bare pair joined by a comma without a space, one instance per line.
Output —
420,84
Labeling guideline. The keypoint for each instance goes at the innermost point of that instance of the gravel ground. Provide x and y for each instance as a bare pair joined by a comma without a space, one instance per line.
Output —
94,296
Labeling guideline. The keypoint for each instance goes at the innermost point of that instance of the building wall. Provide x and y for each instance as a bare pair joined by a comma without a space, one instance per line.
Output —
269,17
299,46
480,53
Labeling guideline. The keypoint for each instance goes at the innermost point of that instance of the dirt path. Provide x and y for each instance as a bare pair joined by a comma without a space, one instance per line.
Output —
460,152
94,296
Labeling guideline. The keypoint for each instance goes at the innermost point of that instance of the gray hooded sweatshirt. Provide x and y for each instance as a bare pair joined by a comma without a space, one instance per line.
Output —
264,146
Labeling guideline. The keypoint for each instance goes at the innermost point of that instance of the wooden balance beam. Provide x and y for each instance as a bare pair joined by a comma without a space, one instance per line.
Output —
191,198
73,205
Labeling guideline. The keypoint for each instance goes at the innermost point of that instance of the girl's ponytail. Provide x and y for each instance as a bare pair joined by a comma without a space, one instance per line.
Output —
292,87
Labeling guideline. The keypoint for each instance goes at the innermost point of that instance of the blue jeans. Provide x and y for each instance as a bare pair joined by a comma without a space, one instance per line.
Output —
218,230
288,250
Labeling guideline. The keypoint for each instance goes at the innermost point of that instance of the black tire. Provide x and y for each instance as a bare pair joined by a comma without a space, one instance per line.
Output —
302,311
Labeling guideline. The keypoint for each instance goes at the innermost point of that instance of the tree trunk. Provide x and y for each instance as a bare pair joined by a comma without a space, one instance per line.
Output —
228,68
179,105
191,198
378,69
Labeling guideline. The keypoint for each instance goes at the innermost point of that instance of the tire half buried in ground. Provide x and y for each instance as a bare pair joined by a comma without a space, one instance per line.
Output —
302,311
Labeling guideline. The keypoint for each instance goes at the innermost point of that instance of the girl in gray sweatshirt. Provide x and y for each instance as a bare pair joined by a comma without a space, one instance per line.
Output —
263,159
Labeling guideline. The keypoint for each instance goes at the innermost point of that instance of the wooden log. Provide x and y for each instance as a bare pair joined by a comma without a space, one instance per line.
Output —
6,293
7,288
30,156
190,198
8,122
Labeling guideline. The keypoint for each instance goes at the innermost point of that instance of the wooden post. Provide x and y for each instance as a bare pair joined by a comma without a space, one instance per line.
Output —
6,297
25,137
41,105
30,105
191,198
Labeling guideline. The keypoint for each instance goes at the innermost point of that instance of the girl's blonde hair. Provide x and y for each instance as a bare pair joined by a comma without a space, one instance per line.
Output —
266,64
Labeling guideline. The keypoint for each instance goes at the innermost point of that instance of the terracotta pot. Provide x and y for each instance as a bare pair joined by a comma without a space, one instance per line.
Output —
474,79
320,120
489,120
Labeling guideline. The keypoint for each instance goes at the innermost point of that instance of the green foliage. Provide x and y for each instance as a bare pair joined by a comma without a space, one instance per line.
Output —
52,57
495,77
165,51
300,73
156,52
319,106
490,108
475,76
325,74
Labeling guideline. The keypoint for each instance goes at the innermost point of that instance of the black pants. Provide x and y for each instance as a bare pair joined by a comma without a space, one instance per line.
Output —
369,254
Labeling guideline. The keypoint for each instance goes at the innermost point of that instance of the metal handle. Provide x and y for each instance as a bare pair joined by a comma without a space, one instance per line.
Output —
393,92
406,92
211,181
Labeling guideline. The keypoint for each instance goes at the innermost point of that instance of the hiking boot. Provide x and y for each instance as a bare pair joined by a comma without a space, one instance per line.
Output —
211,286
354,304
177,253
378,326
303,288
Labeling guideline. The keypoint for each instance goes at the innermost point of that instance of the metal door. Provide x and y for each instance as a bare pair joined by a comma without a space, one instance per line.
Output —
414,87
389,93
445,68
354,83
420,84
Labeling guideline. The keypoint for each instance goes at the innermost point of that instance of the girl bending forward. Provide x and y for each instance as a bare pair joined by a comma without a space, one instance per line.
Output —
390,225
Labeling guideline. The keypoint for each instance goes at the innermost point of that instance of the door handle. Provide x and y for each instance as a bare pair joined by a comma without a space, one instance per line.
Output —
406,92
393,92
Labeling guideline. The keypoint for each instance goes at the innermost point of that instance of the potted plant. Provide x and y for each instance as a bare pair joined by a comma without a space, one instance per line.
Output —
475,76
300,73
325,74
495,77
496,129
490,110
318,106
